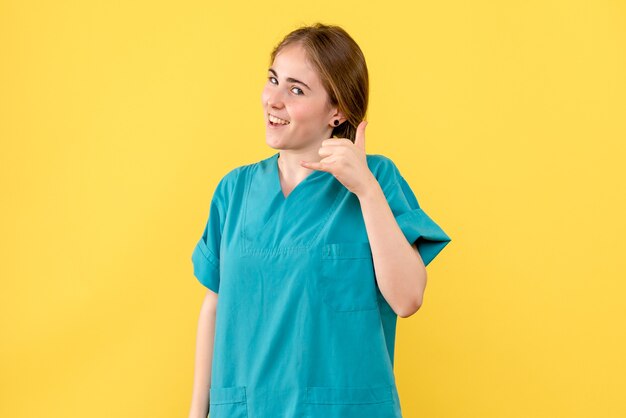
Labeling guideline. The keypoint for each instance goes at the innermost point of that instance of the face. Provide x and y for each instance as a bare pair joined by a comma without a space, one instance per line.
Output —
294,92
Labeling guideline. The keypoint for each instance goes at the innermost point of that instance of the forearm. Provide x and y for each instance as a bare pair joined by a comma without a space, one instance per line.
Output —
400,271
204,356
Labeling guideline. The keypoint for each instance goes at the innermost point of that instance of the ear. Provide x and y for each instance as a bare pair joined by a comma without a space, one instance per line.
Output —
335,113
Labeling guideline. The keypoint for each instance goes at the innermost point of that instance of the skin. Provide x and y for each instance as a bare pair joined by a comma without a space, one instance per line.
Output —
308,110
305,145
203,357
400,271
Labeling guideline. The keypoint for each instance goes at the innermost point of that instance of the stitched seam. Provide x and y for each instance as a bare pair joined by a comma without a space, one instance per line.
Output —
208,255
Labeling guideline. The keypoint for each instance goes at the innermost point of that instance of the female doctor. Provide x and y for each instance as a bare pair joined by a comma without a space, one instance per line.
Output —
314,252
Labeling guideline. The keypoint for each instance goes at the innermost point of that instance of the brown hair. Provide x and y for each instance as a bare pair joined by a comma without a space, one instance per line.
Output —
341,67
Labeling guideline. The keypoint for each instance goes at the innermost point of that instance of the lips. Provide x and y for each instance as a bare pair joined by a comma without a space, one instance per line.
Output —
277,120
274,125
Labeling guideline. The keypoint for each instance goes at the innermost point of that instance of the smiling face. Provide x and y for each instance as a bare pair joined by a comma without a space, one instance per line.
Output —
294,93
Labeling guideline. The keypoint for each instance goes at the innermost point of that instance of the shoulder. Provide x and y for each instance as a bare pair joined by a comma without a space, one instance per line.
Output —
394,185
225,188
228,181
235,178
382,167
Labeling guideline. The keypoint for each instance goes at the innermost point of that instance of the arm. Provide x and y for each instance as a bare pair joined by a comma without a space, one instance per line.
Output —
400,271
204,357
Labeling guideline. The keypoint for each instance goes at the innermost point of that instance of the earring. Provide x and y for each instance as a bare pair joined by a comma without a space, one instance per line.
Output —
336,122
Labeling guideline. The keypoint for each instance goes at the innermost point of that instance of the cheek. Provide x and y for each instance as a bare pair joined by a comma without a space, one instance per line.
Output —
309,120
300,114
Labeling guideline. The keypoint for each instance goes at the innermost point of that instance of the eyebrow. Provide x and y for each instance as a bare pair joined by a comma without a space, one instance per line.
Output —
290,79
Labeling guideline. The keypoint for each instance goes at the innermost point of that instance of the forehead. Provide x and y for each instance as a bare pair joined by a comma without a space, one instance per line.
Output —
292,61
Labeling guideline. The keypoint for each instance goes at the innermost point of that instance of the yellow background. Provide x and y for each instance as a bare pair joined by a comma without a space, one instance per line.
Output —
117,120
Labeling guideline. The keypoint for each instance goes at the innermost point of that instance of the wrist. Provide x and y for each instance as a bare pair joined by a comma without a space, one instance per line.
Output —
371,188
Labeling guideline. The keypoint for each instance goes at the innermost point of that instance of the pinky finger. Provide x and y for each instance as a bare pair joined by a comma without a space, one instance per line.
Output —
313,165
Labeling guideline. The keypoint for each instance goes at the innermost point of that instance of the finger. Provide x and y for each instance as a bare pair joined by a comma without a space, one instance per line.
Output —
313,165
334,141
359,140
329,149
325,151
323,165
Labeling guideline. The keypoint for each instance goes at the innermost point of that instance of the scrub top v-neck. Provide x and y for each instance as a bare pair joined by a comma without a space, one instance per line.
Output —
302,330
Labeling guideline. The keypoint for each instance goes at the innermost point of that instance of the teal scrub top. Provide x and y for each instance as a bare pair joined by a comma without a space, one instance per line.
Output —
301,328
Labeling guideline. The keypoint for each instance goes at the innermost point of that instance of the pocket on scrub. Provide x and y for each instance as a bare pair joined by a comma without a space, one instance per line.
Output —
228,402
339,402
347,279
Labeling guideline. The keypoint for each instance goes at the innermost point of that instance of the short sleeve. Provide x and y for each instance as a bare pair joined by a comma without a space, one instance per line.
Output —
206,254
416,225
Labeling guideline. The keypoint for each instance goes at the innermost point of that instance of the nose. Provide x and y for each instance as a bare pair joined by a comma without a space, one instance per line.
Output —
274,100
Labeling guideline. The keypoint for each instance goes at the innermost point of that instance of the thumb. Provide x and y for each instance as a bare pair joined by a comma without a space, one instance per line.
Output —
359,140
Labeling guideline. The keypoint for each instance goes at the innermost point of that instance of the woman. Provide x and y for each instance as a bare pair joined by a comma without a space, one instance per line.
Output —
314,252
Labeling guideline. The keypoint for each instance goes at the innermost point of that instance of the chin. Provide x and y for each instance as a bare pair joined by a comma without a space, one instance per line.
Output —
274,143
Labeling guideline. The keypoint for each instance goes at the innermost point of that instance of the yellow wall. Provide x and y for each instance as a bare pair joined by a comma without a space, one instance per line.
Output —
117,119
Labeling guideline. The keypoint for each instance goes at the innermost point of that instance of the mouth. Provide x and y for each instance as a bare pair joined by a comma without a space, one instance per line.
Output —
273,125
274,122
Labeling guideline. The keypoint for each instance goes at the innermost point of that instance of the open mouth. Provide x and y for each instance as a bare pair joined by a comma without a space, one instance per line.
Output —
276,125
275,122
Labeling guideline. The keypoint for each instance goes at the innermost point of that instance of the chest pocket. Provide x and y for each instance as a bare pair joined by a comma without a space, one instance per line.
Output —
228,402
347,280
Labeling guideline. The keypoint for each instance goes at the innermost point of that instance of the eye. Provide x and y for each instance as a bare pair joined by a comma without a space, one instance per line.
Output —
271,78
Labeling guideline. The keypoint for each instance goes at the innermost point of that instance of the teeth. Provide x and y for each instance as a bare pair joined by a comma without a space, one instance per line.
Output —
274,119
